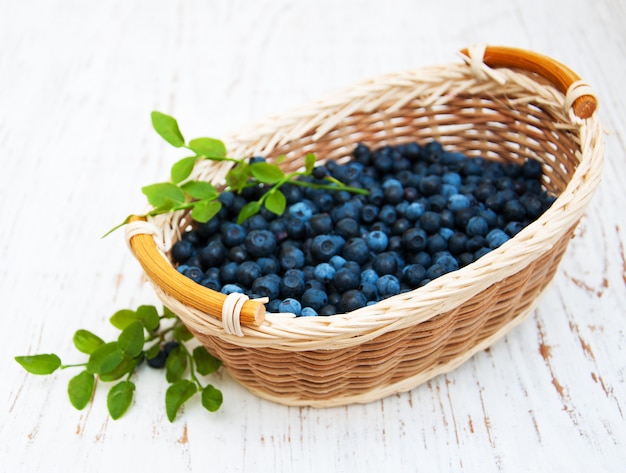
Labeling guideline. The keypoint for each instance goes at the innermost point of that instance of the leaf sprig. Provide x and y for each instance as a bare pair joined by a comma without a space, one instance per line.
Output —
144,333
201,197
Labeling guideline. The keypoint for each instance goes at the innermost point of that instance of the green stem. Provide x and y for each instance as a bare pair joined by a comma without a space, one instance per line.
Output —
73,366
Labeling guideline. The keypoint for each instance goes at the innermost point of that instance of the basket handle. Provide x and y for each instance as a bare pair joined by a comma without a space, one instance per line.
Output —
557,73
188,292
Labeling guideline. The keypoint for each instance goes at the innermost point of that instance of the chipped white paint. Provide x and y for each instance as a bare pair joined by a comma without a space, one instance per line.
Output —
77,83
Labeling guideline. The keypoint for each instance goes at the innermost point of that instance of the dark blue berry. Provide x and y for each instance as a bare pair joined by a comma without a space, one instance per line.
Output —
388,285
314,298
347,228
352,300
267,286
182,251
290,305
414,240
430,221
345,279
413,274
377,241
477,226
356,249
213,254
325,272
323,248
292,284
194,273
260,243
385,263
232,234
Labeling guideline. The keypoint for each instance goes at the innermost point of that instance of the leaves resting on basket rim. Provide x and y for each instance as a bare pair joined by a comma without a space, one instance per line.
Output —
144,335
202,198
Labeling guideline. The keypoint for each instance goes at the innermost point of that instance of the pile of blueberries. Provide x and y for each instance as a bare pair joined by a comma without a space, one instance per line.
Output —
428,211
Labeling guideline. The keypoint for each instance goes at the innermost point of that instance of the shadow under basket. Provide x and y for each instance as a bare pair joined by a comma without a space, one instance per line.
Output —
499,103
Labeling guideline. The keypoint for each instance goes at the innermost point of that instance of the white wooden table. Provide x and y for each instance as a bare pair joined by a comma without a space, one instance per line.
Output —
78,81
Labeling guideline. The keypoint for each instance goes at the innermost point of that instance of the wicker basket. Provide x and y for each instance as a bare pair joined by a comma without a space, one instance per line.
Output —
499,103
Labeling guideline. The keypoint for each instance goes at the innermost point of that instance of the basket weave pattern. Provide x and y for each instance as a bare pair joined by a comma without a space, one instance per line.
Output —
407,339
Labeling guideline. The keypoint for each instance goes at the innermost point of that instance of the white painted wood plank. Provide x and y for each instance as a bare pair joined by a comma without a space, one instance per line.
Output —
77,83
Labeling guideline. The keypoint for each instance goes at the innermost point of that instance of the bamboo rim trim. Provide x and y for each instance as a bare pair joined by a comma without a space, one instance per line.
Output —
431,87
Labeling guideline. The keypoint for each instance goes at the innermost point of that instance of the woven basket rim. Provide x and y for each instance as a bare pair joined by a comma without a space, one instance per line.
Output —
445,292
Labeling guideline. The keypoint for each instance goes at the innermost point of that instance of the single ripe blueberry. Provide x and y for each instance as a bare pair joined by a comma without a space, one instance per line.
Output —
369,276
430,221
292,284
247,273
414,240
230,288
477,226
309,312
290,305
213,254
388,285
325,272
414,211
323,248
232,234
457,202
356,249
260,243
347,228
413,274
377,241
301,210
267,286
314,298
345,279
321,223
194,273
352,300
291,257
385,263
496,238
182,251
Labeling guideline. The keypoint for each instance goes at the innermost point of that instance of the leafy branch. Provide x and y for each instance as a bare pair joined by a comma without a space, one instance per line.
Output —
201,197
145,337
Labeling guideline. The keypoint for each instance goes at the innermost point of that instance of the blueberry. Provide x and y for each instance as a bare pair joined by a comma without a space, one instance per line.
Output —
388,214
267,286
345,279
413,274
301,210
436,243
213,254
321,223
496,238
430,221
292,193
369,213
376,241
448,261
247,272
328,309
385,263
230,288
211,283
388,285
436,270
238,254
260,243
430,185
356,249
463,216
532,169
414,240
232,234
370,291
400,226
362,154
393,193
481,252
169,346
323,248
291,258
346,210
269,264
194,273
414,211
292,284
514,211
352,300
475,243
337,261
158,361
182,251
457,243
452,179
324,201
513,228
532,205
314,298
369,276
290,305
296,227
347,228
308,312
256,222
325,272
458,202
477,226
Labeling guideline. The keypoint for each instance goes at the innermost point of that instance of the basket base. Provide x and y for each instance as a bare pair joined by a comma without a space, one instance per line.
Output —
406,384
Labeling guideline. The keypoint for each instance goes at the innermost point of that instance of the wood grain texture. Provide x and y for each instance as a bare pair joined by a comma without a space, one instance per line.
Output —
77,83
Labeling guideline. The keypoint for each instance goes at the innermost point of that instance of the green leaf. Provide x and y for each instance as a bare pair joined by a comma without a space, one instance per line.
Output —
205,210
125,367
123,318
266,172
209,147
309,162
80,389
182,169
182,333
175,365
200,190
131,339
162,193
238,176
176,395
167,127
212,398
205,362
105,358
119,398
153,350
86,342
167,313
248,210
149,317
39,364
276,202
